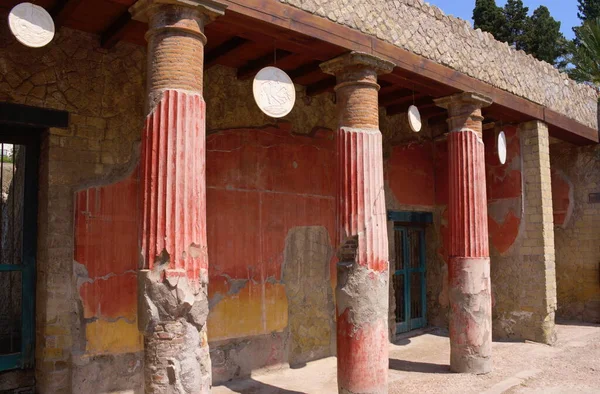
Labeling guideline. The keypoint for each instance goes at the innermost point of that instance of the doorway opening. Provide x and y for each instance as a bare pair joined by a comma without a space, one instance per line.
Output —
409,269
19,155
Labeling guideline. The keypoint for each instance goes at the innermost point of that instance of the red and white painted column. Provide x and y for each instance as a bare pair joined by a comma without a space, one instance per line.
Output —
362,283
172,285
469,261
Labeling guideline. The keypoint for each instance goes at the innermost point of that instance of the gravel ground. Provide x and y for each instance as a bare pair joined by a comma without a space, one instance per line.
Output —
419,364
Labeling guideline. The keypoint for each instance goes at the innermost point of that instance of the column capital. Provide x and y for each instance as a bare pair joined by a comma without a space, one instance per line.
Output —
210,8
357,59
464,99
464,110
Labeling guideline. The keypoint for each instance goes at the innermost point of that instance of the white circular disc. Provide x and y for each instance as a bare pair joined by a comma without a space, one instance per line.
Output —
502,147
31,25
414,118
274,92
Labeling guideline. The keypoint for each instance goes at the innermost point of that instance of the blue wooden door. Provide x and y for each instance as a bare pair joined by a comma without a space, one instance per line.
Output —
18,234
409,278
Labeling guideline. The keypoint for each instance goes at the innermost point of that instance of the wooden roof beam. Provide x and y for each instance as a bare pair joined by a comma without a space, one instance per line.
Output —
443,80
115,32
324,85
389,99
62,10
304,70
212,57
254,66
422,104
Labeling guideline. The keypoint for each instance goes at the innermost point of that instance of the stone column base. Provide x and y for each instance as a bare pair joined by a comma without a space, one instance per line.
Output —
470,315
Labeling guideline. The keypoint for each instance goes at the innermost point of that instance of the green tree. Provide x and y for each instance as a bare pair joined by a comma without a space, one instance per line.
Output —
487,16
587,10
586,56
542,37
515,15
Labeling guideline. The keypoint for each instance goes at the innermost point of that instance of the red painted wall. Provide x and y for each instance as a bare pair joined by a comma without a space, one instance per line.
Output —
504,189
106,246
260,184
410,174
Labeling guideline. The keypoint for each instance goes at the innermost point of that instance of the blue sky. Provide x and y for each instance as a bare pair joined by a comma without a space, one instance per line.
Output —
563,10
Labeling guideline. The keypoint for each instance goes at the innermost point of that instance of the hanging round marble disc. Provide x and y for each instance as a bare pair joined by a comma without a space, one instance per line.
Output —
502,147
31,24
414,119
274,92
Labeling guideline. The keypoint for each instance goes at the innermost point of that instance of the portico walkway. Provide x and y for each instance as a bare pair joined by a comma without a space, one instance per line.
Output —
420,365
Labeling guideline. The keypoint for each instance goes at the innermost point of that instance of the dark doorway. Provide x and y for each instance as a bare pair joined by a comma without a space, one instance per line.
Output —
408,269
19,156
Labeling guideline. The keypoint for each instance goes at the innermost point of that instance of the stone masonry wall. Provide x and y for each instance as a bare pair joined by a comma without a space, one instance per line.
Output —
103,92
425,30
577,239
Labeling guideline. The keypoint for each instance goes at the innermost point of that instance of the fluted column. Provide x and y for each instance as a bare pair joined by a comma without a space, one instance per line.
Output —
469,261
172,285
362,282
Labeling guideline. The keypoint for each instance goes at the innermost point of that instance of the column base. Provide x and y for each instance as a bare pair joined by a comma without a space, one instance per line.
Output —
172,317
470,315
362,329
473,364
176,361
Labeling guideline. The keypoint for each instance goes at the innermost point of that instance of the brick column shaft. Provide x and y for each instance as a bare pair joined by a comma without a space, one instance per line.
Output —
172,286
539,296
362,283
469,265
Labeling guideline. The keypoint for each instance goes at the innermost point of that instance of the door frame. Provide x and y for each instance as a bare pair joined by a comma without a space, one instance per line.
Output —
30,138
27,125
403,221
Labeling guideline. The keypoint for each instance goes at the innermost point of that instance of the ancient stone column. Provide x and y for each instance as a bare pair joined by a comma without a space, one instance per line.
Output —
469,261
172,285
362,283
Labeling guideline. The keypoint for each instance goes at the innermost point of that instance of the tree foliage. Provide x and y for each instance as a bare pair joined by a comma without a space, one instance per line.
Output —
515,15
587,10
542,36
538,34
487,16
586,56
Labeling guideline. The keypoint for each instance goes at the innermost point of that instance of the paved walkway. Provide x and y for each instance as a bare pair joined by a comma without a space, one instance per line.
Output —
420,365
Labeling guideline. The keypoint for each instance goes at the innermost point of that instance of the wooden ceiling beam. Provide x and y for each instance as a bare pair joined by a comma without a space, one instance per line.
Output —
322,86
212,57
389,99
62,10
433,112
416,84
305,69
435,79
115,32
422,104
254,66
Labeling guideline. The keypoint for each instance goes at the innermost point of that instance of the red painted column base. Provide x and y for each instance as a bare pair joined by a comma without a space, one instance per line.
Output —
362,334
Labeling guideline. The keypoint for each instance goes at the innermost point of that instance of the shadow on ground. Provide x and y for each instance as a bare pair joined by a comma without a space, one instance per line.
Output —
251,386
415,366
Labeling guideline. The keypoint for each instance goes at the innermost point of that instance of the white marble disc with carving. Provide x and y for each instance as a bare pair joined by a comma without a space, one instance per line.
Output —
274,92
502,147
414,119
31,25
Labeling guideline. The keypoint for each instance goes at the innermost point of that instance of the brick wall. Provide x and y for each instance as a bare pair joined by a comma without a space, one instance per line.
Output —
577,233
